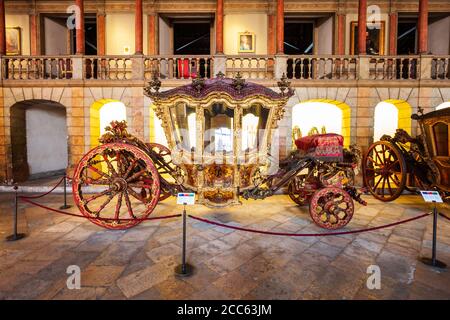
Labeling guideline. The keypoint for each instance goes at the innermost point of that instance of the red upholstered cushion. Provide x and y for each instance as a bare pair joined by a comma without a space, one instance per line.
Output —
322,146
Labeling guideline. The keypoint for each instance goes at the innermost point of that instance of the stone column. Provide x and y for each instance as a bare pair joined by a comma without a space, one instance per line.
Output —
280,26
80,27
219,27
393,25
271,25
34,39
340,50
101,34
422,26
2,28
138,31
362,20
152,34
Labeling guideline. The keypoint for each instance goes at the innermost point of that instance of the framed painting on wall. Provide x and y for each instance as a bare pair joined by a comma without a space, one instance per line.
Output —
13,41
246,42
374,38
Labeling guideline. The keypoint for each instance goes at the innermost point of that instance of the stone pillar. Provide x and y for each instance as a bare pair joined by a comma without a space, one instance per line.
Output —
75,125
271,25
137,68
393,25
80,27
280,26
152,34
362,21
219,64
422,26
101,34
2,28
280,65
34,38
77,67
219,27
138,31
340,50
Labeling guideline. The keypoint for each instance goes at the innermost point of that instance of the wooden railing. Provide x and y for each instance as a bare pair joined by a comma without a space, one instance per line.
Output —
107,68
394,68
322,67
178,67
36,67
250,67
440,68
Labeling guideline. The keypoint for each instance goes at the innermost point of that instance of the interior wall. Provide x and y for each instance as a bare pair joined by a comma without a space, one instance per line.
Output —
164,37
46,145
22,21
56,38
236,23
439,37
325,37
120,34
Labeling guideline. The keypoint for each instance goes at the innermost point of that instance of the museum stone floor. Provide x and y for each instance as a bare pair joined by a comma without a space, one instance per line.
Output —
229,264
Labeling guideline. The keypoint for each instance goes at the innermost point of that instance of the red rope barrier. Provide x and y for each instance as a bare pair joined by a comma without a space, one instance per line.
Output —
309,234
92,218
44,194
444,216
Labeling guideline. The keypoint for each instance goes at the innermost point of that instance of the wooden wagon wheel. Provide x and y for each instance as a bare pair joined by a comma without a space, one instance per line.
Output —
384,170
297,191
331,208
108,182
165,155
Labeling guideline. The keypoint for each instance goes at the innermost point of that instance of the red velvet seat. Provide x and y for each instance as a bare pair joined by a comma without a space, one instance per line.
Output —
324,147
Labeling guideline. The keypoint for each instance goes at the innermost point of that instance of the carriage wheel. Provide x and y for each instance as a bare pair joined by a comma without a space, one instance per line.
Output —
296,192
116,181
331,208
384,171
164,153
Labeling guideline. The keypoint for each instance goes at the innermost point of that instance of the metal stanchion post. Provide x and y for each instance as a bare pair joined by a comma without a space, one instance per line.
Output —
15,236
433,261
184,269
65,206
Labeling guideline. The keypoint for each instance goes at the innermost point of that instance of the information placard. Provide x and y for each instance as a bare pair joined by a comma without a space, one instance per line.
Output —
186,198
431,196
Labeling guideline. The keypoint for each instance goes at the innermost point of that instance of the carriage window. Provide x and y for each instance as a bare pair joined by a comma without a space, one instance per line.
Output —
254,122
184,125
218,136
440,131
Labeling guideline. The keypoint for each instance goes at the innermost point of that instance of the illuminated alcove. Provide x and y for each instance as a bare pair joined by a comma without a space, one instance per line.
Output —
389,116
319,113
102,113
443,105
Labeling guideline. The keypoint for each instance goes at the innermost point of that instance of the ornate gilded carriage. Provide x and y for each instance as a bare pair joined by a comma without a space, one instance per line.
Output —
219,132
401,162
222,145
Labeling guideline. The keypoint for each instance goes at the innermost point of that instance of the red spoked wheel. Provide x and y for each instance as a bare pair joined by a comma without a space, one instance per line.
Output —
384,171
331,208
164,156
116,185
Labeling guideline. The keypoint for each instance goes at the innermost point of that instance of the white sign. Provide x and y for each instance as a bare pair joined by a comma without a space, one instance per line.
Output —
186,198
431,196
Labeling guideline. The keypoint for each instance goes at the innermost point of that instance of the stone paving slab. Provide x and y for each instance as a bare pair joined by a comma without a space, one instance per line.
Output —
139,263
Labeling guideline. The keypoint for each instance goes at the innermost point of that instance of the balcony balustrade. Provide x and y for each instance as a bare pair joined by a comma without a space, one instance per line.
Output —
298,68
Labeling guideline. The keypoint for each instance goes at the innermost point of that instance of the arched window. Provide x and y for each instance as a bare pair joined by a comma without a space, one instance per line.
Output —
386,120
443,105
112,111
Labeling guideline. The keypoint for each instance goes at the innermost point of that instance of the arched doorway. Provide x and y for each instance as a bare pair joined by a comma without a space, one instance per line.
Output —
443,105
333,116
101,114
391,115
38,139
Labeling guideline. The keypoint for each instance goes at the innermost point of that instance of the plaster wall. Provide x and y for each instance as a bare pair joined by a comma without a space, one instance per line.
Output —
439,37
22,21
120,34
235,23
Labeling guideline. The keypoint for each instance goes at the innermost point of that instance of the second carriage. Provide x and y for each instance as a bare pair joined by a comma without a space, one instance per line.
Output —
222,145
